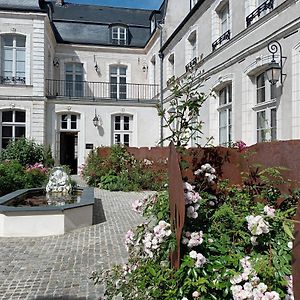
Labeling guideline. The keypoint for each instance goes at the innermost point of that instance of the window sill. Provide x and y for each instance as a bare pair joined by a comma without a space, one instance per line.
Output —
18,85
265,104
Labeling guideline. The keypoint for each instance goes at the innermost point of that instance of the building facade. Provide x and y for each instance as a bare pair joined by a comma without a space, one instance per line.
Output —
80,76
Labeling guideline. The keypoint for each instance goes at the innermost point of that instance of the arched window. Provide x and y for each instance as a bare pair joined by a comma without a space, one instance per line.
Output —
13,59
13,126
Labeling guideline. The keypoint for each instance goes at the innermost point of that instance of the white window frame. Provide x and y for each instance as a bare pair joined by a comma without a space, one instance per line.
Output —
13,124
123,131
119,35
171,65
226,109
192,47
68,122
224,17
118,76
14,78
266,103
74,87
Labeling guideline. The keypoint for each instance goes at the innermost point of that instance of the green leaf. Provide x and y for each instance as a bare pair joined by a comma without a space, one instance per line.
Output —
287,230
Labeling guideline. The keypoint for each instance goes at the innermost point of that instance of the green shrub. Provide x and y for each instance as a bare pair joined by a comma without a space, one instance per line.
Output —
120,171
27,152
14,176
232,246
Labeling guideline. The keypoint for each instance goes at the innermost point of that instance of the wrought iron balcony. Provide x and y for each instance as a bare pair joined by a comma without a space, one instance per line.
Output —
12,80
225,36
269,4
90,90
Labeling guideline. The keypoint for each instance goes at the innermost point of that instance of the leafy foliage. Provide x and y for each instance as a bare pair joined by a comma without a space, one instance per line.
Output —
119,170
14,176
231,242
182,117
27,152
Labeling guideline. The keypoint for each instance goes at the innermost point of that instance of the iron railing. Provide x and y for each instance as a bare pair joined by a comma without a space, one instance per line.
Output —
12,80
269,4
221,39
101,90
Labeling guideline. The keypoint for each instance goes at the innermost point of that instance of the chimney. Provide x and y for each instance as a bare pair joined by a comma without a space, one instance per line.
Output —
60,2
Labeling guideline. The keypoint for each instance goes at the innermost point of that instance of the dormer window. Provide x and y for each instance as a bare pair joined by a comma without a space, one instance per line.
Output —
119,35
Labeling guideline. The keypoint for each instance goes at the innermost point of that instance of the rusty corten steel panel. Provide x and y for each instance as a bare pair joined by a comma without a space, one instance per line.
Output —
296,256
177,203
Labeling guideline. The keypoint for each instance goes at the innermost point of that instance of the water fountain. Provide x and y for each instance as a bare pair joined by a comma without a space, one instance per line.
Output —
50,211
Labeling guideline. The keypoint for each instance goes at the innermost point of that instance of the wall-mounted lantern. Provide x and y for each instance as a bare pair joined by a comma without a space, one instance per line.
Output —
56,62
97,121
274,71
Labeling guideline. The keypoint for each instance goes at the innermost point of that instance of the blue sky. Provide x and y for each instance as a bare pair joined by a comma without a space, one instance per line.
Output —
147,4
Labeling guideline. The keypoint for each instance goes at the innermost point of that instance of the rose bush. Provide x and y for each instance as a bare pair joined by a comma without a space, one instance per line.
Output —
232,247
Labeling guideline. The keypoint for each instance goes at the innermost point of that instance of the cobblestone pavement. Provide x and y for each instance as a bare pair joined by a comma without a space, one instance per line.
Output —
58,267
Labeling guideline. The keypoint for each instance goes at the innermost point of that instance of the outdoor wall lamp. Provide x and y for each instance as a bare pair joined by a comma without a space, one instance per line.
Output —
56,62
144,68
274,71
97,121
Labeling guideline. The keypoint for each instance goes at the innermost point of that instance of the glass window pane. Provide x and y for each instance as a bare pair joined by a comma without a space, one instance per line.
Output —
20,67
73,125
223,118
79,68
126,123
273,91
8,40
20,116
19,131
8,53
222,97
273,117
20,55
117,139
20,41
222,136
229,87
261,120
69,77
122,71
7,116
113,70
117,122
126,140
7,67
69,68
73,117
7,131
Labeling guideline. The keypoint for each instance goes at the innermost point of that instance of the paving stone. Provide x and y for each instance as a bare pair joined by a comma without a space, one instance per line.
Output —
59,267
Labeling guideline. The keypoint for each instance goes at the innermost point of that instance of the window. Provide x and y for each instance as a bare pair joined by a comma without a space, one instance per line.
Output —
224,19
225,115
119,35
68,122
74,79
257,9
266,119
13,59
118,87
12,126
192,46
122,125
171,64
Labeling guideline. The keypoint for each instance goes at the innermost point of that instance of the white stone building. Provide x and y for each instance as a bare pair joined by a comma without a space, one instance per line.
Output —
80,76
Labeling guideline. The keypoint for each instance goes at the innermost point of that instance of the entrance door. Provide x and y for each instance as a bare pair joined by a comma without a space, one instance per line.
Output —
68,150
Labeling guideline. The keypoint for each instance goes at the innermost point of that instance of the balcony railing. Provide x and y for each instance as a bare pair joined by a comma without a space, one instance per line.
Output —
269,4
12,80
225,36
90,90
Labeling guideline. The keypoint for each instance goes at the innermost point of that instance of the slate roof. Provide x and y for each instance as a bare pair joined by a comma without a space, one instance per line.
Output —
89,24
22,5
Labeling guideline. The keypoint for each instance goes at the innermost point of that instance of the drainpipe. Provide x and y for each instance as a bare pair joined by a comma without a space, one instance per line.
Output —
161,57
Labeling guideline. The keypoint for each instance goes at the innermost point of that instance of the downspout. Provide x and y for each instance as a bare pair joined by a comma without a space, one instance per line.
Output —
161,93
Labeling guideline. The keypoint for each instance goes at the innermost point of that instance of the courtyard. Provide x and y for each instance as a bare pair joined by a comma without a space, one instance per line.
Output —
59,267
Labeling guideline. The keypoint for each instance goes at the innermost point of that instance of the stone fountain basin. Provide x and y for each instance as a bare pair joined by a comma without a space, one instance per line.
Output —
44,220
